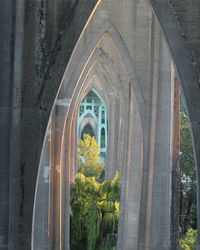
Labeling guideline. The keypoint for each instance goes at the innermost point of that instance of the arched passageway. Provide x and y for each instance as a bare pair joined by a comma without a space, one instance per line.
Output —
181,42
53,53
93,111
87,130
104,77
140,103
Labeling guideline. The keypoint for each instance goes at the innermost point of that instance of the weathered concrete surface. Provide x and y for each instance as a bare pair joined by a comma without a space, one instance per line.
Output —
179,22
5,119
188,18
134,78
31,33
37,40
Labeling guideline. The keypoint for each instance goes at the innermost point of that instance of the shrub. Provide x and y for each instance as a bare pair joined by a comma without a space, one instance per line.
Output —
95,213
94,205
88,157
189,240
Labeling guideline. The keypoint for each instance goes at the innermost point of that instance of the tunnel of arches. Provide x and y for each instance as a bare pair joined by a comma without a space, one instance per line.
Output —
87,130
93,120
100,104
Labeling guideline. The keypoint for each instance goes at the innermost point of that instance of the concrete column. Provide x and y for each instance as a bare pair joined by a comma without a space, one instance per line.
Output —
130,178
40,233
160,159
112,138
68,174
18,189
47,224
106,129
51,182
5,118
99,127
60,115
68,168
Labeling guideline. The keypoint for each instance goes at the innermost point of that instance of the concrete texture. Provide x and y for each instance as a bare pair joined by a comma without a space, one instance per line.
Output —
5,120
45,62
25,64
179,23
139,125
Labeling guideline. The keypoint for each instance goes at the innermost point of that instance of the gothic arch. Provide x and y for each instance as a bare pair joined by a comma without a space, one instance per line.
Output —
88,122
86,130
105,57
43,39
91,111
187,74
66,111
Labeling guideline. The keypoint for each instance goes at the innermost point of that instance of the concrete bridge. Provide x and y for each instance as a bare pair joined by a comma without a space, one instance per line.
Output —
135,54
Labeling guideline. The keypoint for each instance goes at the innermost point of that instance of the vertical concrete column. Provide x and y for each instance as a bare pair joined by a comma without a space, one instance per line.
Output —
160,158
18,195
99,127
40,228
106,128
122,129
51,181
49,220
111,161
68,161
73,147
60,115
110,140
131,177
48,199
68,173
5,117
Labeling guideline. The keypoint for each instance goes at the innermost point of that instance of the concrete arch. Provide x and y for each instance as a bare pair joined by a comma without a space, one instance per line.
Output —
133,203
66,161
91,121
92,51
99,102
91,114
66,100
187,74
38,40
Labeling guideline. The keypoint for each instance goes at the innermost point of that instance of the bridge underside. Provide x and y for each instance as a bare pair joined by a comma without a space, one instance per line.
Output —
133,53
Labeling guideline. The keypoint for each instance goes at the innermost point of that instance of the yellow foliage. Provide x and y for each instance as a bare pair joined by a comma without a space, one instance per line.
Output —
88,157
189,240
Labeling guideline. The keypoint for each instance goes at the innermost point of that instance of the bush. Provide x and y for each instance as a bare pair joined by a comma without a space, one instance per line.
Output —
88,157
189,240
94,205
95,213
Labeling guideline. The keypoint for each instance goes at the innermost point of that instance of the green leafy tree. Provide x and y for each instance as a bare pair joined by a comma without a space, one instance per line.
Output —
88,157
94,205
186,156
95,213
187,172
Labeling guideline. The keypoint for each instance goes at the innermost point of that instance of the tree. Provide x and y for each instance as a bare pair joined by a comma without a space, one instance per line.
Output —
94,205
88,157
187,171
189,240
95,213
